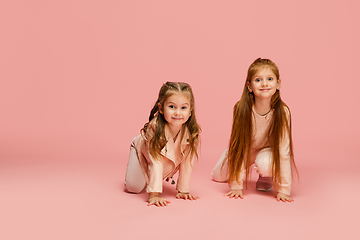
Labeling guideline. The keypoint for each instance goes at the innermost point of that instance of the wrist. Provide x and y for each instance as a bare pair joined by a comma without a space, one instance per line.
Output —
153,194
284,194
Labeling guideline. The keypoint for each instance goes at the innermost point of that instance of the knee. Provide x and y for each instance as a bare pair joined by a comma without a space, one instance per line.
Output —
133,188
220,170
263,163
218,176
215,177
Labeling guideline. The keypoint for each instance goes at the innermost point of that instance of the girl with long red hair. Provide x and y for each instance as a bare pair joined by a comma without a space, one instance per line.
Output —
260,136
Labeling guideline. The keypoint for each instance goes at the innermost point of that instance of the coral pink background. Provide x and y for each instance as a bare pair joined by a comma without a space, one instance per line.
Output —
78,79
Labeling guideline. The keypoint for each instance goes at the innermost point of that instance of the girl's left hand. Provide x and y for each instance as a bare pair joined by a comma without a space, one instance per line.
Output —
283,197
186,196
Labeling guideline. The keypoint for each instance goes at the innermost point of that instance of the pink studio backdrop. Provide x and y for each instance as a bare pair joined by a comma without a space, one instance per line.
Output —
78,79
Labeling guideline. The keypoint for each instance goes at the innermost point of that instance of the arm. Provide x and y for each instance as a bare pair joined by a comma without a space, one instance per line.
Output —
154,173
183,183
237,187
155,176
220,174
154,187
284,188
154,167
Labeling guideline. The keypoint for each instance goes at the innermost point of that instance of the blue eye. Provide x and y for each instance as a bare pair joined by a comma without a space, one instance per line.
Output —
171,106
270,78
184,108
257,79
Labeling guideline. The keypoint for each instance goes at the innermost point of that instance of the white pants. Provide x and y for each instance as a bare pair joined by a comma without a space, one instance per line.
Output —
135,180
263,166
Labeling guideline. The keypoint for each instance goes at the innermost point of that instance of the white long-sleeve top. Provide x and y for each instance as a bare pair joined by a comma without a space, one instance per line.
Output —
261,125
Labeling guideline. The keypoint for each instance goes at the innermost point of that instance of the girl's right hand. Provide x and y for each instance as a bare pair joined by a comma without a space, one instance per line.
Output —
154,199
237,193
283,197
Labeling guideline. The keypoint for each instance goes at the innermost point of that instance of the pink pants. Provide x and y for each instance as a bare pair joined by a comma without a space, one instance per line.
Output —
135,180
263,165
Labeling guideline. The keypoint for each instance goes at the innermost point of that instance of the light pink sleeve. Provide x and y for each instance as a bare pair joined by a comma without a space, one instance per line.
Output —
285,165
285,170
238,185
155,167
185,170
155,176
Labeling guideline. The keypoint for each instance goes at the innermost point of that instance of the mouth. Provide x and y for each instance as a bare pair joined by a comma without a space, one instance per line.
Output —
265,89
174,118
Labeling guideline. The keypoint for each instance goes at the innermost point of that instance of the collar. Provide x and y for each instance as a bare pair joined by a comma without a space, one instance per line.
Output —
185,138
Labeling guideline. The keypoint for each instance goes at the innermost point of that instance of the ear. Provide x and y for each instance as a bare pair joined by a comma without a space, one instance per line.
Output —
248,86
278,84
160,108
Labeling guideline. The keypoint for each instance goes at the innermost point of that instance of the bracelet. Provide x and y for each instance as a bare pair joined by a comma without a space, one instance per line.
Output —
183,192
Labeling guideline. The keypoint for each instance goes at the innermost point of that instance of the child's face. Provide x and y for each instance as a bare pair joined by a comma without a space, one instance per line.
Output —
176,110
264,84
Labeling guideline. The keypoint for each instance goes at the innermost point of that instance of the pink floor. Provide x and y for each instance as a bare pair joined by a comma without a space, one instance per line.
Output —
86,200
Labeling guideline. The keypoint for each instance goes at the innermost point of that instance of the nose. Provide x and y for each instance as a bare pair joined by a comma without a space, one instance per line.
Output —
264,83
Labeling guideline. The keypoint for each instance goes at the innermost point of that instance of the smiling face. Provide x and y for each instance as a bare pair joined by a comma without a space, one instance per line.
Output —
176,110
264,84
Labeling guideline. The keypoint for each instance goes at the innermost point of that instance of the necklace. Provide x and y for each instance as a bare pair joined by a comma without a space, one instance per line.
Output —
262,114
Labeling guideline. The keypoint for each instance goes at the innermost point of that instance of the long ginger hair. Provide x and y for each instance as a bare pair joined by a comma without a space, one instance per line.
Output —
239,154
158,140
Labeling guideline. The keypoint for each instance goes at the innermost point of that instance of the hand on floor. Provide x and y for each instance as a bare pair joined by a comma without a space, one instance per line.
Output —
186,196
235,194
283,198
154,199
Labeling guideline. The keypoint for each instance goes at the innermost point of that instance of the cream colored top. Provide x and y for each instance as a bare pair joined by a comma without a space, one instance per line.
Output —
261,125
174,158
